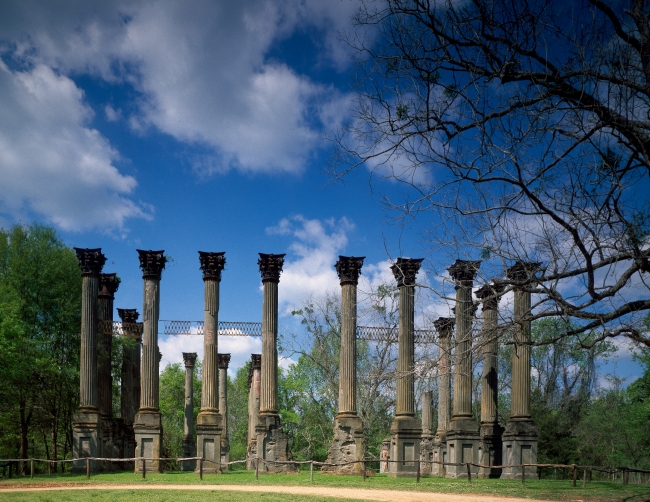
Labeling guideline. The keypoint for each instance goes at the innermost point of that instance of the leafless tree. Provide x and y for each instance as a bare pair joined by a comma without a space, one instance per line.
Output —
521,131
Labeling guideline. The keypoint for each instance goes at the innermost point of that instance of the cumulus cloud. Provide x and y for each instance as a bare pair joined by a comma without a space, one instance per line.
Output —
51,162
200,70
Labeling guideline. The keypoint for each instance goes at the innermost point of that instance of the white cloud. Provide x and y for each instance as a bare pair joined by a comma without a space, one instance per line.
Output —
201,70
51,162
309,268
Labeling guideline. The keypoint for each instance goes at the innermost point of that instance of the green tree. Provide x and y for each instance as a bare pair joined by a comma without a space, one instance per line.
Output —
238,415
172,407
40,305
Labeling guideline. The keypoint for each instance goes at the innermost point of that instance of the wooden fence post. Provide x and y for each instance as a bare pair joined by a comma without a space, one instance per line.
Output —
363,465
31,469
523,474
584,477
311,471
201,468
144,468
257,468
87,467
575,474
417,476
469,474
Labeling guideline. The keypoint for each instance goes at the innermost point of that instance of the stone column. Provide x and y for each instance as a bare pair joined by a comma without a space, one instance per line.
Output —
86,423
405,430
224,361
189,358
108,284
210,422
272,442
491,431
520,436
463,436
130,385
347,445
254,380
427,440
445,328
147,425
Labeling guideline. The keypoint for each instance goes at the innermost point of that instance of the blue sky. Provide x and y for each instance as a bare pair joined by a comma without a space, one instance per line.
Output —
190,126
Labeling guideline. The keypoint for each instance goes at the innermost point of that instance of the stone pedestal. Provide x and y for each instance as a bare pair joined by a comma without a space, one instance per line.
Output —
254,382
491,431
130,384
86,423
272,442
108,284
348,443
427,439
520,435
147,426
445,328
463,436
405,430
209,424
189,445
224,360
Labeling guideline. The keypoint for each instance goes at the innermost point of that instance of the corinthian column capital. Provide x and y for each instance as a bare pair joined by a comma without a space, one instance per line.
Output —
522,273
212,264
152,263
464,271
405,270
91,261
108,284
349,269
189,358
224,361
271,266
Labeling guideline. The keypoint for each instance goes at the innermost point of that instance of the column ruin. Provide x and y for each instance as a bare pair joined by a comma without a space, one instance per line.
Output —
254,381
463,434
272,441
108,284
224,361
147,425
405,430
130,384
86,423
491,431
520,436
209,425
427,439
445,328
348,442
189,446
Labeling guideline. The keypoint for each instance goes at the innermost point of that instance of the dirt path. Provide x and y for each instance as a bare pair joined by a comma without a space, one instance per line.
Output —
354,493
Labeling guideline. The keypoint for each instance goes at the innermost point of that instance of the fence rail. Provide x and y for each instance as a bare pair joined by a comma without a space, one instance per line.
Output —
142,462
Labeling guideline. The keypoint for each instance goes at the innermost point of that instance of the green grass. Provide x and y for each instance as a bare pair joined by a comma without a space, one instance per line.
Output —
157,496
545,489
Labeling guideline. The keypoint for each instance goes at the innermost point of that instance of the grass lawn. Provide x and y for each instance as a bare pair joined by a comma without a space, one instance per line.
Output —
544,489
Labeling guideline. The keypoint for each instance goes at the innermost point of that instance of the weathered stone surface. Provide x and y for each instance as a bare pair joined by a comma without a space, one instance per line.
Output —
86,423
209,427
463,434
254,378
188,448
520,436
445,328
272,442
224,360
406,430
147,425
130,384
427,438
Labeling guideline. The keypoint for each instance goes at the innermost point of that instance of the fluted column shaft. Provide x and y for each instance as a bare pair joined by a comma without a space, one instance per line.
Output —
149,398
427,415
269,373
445,327
88,388
210,379
108,284
130,399
348,355
463,373
520,405
136,358
188,423
489,380
224,360
254,380
406,353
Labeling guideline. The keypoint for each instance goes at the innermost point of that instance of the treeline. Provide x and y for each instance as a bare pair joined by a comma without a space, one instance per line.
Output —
580,419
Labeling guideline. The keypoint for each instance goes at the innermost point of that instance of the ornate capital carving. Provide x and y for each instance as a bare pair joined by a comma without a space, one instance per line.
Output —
490,294
464,271
128,315
256,364
91,261
224,361
212,264
523,272
444,326
349,269
108,284
189,358
405,270
152,263
271,266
